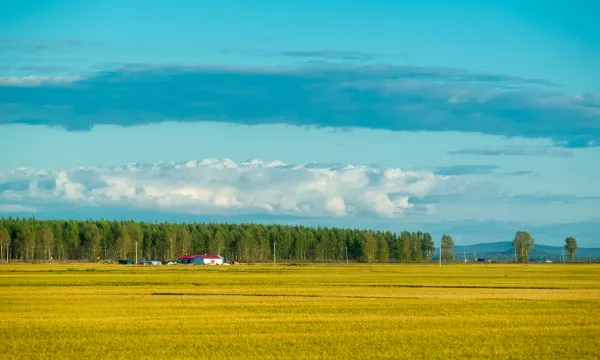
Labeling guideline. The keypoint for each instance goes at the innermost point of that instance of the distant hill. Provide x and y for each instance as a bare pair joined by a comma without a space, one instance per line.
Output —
503,250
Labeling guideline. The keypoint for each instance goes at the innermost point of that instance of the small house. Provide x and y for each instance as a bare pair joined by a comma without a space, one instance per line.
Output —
200,259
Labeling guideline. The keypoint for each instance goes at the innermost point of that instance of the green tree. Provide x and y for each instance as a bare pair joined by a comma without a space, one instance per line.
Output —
245,247
571,247
70,239
91,240
26,241
447,245
263,250
427,246
148,246
523,243
199,240
166,241
383,249
216,244
4,241
183,240
284,244
45,241
123,242
403,247
416,253
59,251
136,234
368,247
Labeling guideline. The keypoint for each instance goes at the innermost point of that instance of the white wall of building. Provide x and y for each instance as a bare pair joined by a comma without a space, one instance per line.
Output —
213,261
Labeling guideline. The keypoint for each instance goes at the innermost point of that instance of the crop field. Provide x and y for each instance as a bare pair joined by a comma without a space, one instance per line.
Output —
476,311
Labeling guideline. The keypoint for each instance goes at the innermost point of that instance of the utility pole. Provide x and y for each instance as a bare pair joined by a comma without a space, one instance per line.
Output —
274,255
440,253
465,255
136,252
474,254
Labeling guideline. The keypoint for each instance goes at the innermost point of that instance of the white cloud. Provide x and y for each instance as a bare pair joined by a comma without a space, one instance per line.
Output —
16,208
35,80
65,186
337,206
224,187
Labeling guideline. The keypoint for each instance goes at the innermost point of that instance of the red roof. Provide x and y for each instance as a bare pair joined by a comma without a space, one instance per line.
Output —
201,256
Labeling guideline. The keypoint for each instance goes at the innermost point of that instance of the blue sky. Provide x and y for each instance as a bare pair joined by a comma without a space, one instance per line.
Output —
461,118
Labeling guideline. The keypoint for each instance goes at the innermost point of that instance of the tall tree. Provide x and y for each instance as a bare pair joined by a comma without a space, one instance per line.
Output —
71,238
216,243
571,247
523,243
285,242
136,235
183,240
45,241
4,241
60,250
123,241
199,240
403,247
166,241
149,241
91,240
383,249
447,245
245,247
416,253
26,240
368,247
427,246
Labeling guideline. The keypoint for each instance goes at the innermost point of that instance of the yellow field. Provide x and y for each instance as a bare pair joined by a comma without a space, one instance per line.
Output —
314,311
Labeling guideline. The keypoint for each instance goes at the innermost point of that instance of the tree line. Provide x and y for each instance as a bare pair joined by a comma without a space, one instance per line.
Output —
94,240
523,244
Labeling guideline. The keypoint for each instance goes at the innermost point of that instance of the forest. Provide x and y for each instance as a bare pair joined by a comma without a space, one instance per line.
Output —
104,240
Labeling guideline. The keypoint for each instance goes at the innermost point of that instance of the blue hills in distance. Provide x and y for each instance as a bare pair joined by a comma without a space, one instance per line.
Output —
503,250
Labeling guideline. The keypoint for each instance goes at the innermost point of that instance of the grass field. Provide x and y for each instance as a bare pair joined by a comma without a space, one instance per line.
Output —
316,311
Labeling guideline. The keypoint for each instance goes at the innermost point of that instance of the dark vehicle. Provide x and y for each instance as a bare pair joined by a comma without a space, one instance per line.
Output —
125,262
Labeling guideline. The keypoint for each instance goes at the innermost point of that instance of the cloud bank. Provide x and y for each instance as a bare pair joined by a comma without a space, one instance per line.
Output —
378,97
223,187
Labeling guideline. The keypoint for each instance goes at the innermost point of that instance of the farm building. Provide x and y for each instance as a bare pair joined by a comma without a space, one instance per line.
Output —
201,259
